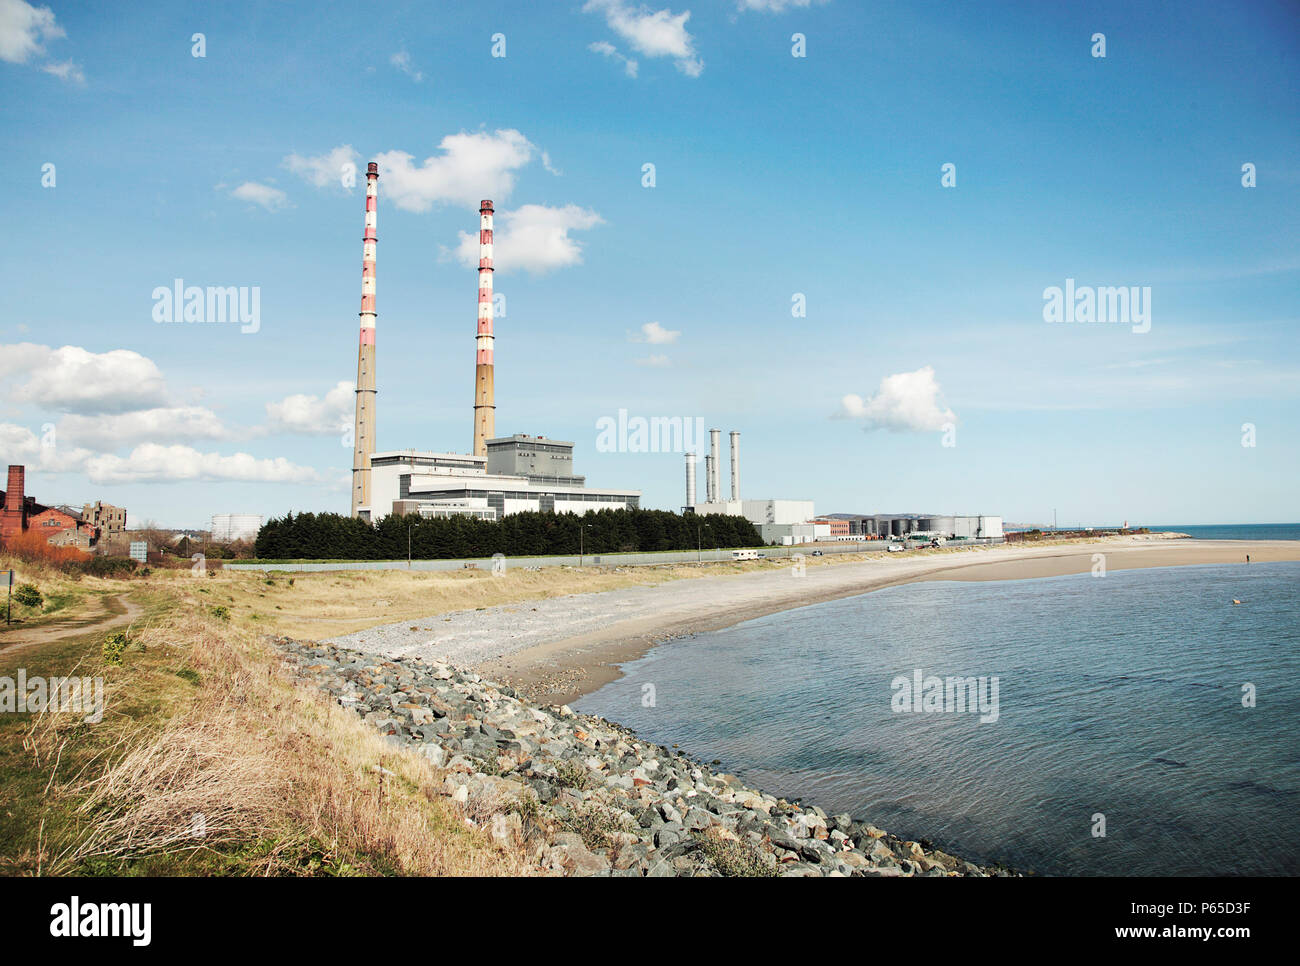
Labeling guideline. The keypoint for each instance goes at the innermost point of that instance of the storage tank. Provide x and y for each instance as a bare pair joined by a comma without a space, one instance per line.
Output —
898,526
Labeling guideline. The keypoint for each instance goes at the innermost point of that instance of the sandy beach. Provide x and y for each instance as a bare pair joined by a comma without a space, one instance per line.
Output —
554,650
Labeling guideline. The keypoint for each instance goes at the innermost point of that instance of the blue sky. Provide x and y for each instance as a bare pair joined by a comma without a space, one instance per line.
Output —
775,175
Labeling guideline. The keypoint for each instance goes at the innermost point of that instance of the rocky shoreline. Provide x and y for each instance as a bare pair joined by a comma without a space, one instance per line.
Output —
584,796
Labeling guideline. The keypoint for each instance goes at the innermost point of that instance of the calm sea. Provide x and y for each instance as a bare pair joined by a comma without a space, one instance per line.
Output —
1244,531
1119,696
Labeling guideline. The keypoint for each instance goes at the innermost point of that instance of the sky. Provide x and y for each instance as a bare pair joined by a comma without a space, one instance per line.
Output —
798,263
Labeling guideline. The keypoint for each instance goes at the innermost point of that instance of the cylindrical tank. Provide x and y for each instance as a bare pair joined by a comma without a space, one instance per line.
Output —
898,526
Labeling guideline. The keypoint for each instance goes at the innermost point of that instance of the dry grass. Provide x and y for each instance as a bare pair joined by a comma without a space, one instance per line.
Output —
252,774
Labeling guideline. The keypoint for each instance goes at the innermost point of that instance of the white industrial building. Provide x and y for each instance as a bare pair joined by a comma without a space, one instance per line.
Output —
520,473
784,522
229,527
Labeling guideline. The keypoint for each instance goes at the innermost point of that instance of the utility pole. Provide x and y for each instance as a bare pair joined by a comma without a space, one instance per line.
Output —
9,613
408,546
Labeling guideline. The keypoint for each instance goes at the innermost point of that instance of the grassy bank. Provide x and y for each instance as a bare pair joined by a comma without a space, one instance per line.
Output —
209,760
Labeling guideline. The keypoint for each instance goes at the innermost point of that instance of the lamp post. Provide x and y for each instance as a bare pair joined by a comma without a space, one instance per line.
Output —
408,545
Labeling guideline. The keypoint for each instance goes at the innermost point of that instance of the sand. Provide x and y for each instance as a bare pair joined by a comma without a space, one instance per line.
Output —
557,649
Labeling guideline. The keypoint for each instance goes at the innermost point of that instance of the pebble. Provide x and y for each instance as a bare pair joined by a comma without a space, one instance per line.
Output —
584,796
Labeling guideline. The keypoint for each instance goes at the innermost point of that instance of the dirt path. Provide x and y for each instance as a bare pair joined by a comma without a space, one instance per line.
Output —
17,637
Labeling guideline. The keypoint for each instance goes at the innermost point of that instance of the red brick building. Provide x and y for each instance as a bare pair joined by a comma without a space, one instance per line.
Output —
19,512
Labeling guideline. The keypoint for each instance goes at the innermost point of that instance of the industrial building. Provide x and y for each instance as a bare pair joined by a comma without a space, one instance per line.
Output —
918,525
500,475
777,521
104,516
490,487
63,526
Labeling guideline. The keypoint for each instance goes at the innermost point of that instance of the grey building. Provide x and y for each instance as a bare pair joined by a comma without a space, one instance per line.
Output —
538,459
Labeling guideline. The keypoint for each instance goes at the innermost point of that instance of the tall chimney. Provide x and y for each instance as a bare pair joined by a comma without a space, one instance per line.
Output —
363,435
715,474
690,479
735,465
485,410
708,478
14,515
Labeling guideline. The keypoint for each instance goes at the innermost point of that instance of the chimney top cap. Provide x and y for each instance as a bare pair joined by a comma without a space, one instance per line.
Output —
372,167
485,204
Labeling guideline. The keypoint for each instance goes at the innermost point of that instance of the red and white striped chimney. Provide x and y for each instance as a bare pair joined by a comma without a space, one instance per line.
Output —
484,391
364,427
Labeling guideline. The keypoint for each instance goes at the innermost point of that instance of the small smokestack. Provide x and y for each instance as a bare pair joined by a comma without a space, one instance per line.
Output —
690,479
708,478
715,474
363,430
735,465
485,410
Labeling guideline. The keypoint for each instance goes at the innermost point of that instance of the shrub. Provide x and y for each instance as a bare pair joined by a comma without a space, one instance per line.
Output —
107,566
572,774
114,645
28,596
737,859
221,612
33,547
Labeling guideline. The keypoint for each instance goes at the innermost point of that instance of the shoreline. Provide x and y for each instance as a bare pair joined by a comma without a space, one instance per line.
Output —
555,650
564,670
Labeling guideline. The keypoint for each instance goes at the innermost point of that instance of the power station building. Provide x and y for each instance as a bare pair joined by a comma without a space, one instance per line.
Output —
501,475
519,473
777,521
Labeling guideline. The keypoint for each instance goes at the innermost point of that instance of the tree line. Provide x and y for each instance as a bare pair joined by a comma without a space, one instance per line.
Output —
333,536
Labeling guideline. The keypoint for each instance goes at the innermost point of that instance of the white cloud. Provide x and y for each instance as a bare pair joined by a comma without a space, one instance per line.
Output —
24,30
906,401
65,70
324,169
605,48
655,362
653,33
151,462
312,415
471,167
656,334
260,194
74,380
774,6
532,238
402,61
164,424
17,443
